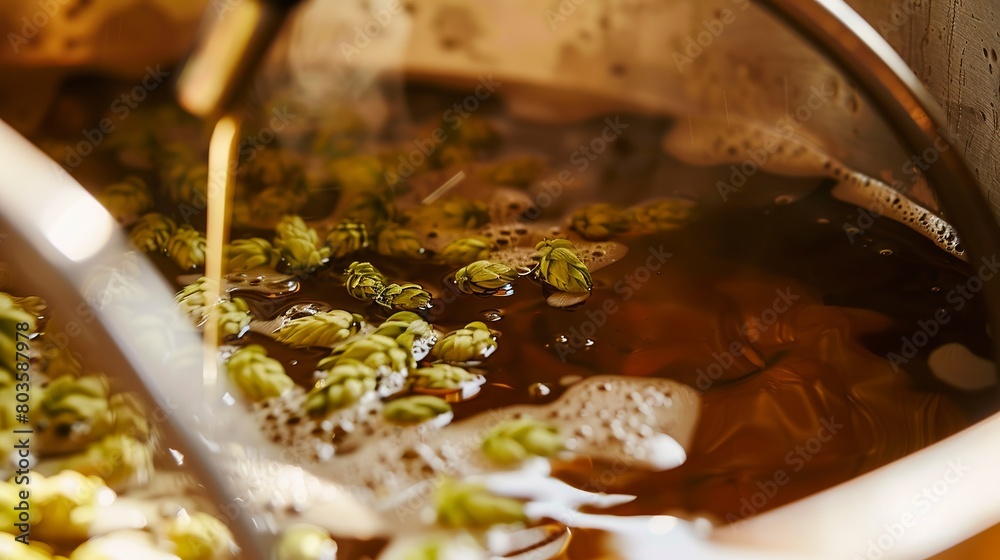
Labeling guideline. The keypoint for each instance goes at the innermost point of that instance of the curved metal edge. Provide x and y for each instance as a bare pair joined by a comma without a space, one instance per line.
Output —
34,186
824,520
919,122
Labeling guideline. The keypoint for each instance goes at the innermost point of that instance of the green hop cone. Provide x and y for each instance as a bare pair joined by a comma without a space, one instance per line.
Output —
257,376
245,254
347,238
305,542
374,351
322,329
12,314
186,183
363,281
65,505
452,213
441,377
120,460
516,440
128,200
599,222
187,247
357,173
192,300
477,132
267,207
272,168
77,406
484,278
454,155
371,209
404,297
559,267
470,505
152,231
346,382
662,215
472,343
415,409
410,331
519,171
234,317
299,245
467,249
398,242
199,536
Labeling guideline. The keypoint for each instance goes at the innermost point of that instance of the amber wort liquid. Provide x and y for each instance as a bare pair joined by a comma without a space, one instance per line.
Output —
781,321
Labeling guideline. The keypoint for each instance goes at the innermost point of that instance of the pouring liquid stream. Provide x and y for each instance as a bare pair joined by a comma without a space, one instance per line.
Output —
222,165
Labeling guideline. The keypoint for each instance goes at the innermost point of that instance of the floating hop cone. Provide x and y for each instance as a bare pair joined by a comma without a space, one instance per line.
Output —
347,238
559,267
599,222
357,173
467,249
484,278
186,182
469,505
151,233
199,536
121,460
375,351
305,542
299,245
322,329
66,505
11,314
404,297
515,440
519,171
346,382
187,247
472,343
363,281
398,242
415,409
234,317
441,377
662,215
410,331
192,300
371,209
77,406
245,254
450,213
257,376
128,200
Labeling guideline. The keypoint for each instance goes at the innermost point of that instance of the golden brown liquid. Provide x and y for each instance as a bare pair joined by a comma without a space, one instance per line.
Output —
811,400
